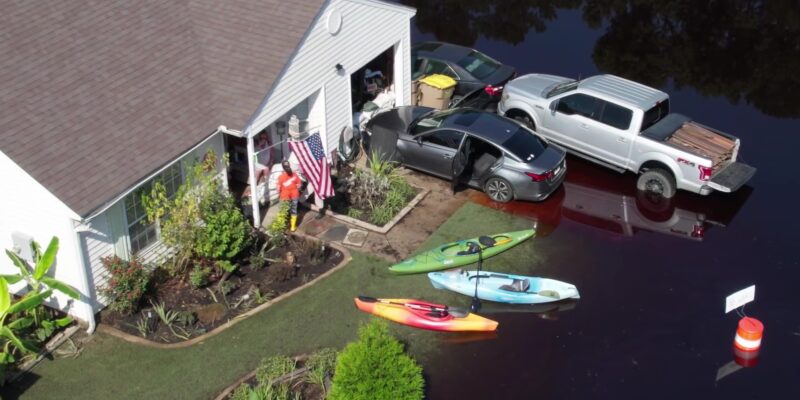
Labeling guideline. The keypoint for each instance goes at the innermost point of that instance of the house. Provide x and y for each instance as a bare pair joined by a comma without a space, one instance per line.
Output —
98,99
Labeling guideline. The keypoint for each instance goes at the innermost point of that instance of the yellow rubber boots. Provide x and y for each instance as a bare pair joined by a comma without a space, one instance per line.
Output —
293,223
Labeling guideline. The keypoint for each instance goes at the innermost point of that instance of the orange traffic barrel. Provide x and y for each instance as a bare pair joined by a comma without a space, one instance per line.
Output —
745,358
748,334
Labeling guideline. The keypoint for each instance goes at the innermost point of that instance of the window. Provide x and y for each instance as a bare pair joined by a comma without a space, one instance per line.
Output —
438,67
141,232
579,104
430,121
616,116
446,138
525,145
478,64
653,115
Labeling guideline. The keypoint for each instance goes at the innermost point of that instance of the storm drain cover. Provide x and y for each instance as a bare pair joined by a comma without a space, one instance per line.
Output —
355,237
335,234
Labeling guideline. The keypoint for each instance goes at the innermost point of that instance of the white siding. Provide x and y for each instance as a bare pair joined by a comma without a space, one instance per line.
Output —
368,29
29,208
97,242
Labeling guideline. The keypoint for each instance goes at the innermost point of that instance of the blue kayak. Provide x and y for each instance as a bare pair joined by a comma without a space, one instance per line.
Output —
504,288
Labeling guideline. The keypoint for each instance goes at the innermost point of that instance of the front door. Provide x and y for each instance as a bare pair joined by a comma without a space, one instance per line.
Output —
433,151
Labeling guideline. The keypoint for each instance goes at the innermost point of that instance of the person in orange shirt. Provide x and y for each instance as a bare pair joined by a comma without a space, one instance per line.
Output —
289,190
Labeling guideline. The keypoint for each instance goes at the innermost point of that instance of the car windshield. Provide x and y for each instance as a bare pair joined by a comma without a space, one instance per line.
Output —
478,64
561,88
430,120
525,145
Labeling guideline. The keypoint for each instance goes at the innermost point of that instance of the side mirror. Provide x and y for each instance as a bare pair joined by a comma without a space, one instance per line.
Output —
553,106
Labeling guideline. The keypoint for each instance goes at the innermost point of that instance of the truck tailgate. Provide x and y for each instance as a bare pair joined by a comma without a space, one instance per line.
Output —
731,177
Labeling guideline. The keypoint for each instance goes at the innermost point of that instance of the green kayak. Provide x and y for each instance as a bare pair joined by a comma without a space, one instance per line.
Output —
460,253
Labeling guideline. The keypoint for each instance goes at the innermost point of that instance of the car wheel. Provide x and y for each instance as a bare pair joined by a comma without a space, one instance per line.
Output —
657,181
526,120
499,189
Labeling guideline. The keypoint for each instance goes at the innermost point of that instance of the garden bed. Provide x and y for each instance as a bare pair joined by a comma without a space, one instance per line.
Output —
373,198
193,312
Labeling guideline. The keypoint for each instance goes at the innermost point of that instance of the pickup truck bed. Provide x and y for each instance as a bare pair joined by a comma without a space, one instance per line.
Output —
703,142
679,131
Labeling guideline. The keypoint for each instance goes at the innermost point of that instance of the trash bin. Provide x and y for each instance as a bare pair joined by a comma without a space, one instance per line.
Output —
436,90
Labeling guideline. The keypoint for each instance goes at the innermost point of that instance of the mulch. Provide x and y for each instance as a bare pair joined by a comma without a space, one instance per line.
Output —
207,308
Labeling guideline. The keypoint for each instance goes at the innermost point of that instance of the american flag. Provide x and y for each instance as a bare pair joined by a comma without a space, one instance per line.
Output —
313,164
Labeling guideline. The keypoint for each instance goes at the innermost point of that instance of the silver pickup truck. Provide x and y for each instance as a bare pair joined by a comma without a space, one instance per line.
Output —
625,125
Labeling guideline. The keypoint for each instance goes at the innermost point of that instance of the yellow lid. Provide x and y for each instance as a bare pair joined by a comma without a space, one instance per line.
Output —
439,81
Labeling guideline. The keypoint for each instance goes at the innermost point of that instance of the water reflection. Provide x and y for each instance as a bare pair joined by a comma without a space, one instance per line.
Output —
546,311
741,50
463,21
606,201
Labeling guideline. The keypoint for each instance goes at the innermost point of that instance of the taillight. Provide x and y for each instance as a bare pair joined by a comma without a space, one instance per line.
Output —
493,90
540,177
705,172
698,231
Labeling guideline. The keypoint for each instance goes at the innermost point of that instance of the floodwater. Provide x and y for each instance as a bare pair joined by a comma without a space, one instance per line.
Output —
652,277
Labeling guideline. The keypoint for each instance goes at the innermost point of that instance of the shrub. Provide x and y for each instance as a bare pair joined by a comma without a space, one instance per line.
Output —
321,363
126,285
277,229
376,367
199,276
226,231
274,367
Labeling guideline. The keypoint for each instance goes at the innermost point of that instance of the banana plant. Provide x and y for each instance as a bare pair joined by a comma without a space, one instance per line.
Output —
11,343
36,276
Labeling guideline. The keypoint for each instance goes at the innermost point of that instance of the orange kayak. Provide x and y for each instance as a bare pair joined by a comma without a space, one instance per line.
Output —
421,314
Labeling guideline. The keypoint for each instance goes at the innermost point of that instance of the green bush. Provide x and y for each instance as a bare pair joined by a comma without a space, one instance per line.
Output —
226,231
321,364
126,285
376,367
277,229
274,367
199,276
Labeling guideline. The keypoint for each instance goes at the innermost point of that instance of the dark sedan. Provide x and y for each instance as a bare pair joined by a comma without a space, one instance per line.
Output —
485,150
469,67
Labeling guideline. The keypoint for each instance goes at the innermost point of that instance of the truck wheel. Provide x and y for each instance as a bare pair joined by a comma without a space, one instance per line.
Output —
499,189
657,181
526,120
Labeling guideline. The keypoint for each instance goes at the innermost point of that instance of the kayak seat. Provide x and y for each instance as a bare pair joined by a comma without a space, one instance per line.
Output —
472,248
518,285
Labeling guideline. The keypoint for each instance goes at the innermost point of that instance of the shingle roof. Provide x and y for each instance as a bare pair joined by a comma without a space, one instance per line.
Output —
97,95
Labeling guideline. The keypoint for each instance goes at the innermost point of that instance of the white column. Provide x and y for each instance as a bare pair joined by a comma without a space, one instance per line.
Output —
402,73
251,169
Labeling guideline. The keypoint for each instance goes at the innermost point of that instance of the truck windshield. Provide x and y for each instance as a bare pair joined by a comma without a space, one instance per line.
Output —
653,115
561,88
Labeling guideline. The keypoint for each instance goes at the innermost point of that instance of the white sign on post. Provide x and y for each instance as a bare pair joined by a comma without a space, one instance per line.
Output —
740,298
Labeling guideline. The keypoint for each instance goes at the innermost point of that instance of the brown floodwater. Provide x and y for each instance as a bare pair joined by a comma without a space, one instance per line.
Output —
653,275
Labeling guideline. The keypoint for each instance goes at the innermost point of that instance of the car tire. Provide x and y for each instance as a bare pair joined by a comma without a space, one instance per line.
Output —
526,120
499,189
657,181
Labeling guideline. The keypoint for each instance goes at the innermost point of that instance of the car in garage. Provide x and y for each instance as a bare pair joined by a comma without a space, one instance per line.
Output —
486,151
469,67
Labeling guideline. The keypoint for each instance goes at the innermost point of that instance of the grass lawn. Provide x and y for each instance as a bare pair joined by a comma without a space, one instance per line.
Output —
322,316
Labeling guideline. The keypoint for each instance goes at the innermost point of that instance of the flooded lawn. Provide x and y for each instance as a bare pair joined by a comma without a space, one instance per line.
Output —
653,277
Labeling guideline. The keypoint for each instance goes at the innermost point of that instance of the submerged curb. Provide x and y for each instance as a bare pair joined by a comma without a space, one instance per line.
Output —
346,258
